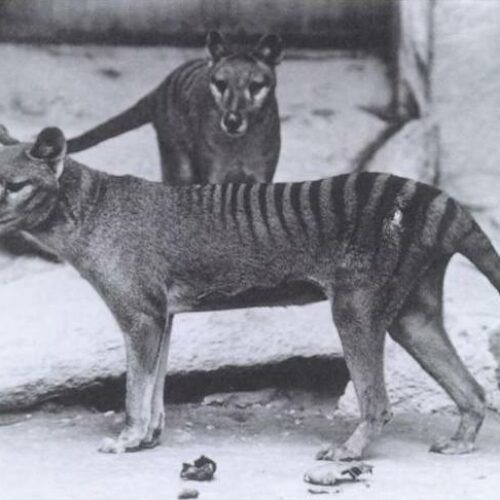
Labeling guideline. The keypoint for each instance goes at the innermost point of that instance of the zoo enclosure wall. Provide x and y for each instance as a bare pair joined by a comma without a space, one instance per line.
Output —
351,24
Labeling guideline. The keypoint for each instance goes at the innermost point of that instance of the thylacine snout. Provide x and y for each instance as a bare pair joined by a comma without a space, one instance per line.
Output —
234,123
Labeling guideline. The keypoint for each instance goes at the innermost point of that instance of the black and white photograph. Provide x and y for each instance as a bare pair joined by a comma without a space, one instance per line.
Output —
249,249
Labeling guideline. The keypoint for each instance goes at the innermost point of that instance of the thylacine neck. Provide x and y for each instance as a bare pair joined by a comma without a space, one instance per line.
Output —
79,191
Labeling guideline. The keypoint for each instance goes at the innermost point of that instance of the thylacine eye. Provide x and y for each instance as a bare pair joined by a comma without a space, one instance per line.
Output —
220,85
15,187
255,87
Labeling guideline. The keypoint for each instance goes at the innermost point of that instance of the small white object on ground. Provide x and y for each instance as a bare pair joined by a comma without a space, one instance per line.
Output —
335,473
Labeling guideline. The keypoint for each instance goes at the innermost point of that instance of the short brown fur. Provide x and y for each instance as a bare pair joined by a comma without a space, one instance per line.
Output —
376,246
216,120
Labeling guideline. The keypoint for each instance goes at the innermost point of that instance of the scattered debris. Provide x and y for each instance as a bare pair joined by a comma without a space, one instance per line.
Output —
215,400
188,493
243,399
111,73
313,491
202,469
335,473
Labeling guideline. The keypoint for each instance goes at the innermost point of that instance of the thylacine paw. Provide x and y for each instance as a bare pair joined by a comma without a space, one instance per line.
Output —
340,453
452,447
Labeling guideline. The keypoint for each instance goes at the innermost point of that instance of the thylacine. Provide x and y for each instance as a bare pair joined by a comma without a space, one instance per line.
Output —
376,246
216,119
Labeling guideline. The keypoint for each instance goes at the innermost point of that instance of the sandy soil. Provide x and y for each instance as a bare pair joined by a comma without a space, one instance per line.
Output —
261,452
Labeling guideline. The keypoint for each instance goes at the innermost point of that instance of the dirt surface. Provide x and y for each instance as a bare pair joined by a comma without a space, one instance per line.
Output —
262,451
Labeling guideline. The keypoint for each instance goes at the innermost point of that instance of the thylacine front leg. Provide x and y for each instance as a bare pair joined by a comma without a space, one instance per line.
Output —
157,422
146,341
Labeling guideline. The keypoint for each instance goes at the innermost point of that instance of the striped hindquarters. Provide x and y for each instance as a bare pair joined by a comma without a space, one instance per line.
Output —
178,87
358,211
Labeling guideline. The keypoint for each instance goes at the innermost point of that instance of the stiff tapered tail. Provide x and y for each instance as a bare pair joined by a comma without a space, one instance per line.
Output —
477,247
136,116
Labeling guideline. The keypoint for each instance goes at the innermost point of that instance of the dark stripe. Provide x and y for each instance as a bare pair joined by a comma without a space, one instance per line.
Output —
200,196
182,75
263,189
446,221
472,230
337,197
188,197
192,76
414,220
362,189
247,207
235,189
295,192
211,195
223,200
314,202
278,204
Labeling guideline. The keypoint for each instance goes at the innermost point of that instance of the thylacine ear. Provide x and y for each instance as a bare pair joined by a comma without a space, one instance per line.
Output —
50,146
216,46
269,49
5,138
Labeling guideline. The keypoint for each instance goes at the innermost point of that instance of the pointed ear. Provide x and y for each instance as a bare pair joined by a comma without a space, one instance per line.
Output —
269,49
5,138
216,46
50,146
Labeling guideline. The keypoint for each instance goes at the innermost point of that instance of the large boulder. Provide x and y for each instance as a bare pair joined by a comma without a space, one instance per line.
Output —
57,335
466,106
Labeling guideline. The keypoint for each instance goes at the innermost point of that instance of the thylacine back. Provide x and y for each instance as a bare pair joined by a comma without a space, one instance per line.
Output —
216,119
376,246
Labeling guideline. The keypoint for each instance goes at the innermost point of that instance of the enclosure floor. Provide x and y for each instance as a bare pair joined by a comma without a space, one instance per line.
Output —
261,453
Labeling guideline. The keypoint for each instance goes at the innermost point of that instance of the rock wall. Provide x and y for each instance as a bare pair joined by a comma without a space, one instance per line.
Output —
465,103
55,333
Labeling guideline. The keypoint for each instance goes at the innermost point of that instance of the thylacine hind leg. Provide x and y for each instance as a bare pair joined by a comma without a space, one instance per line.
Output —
420,330
362,331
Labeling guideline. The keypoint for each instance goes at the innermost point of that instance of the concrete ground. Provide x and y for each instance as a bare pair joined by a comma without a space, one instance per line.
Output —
262,451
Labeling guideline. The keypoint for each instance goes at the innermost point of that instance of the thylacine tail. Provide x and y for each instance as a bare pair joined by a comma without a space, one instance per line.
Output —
139,114
478,248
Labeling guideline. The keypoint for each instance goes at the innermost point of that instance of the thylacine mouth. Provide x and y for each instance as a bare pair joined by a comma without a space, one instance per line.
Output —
234,133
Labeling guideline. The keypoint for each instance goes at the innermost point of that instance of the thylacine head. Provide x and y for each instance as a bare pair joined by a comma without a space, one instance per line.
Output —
29,175
241,81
